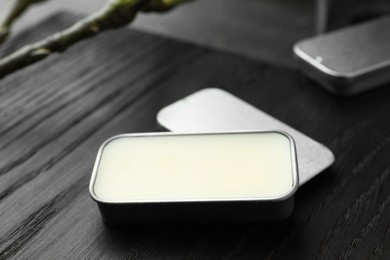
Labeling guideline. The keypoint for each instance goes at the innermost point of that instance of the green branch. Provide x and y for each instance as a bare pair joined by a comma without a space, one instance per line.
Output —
16,10
115,14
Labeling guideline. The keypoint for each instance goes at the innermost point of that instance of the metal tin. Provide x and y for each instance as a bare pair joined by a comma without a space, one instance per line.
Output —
348,61
213,109
122,212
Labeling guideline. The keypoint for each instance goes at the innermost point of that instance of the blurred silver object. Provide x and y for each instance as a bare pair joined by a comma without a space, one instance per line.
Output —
217,110
350,60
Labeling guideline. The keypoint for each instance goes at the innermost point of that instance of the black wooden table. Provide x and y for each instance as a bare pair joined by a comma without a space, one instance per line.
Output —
55,114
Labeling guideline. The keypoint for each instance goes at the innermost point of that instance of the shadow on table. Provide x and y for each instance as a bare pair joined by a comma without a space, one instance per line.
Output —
195,240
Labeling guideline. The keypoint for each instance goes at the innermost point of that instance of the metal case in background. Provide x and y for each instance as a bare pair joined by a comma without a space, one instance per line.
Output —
348,61
199,211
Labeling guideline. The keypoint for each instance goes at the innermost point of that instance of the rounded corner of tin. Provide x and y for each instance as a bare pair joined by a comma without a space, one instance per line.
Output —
111,139
290,194
294,166
92,192
285,134
317,64
92,183
96,167
332,157
210,89
160,115
297,49
216,91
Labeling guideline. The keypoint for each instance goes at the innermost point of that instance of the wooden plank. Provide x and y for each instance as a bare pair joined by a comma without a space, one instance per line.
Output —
55,114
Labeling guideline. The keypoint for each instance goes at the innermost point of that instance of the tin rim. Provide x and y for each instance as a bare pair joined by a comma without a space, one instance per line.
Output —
294,167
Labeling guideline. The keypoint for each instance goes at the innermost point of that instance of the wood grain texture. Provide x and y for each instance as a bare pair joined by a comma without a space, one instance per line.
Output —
55,114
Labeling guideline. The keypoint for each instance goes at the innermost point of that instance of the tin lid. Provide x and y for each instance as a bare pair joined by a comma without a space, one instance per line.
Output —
214,109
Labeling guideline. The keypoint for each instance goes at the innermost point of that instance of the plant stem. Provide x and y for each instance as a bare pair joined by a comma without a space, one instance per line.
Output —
115,14
17,9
